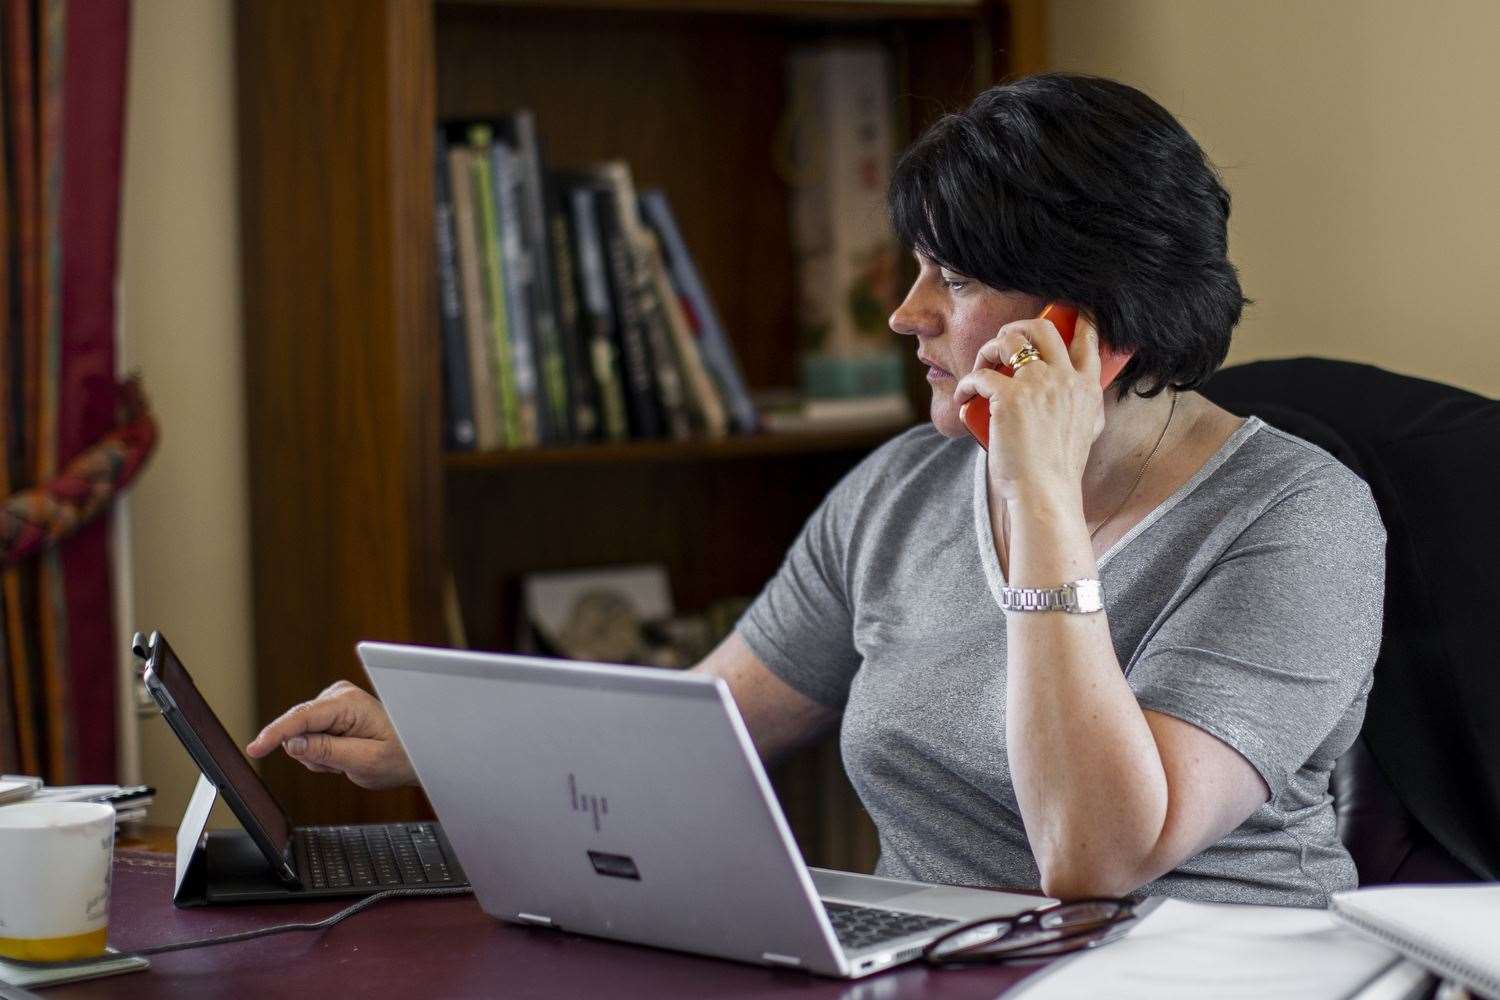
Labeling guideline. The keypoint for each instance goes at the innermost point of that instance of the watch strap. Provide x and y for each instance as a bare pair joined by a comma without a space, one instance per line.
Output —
1081,597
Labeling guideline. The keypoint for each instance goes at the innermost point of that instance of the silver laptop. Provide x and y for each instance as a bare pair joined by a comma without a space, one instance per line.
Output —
629,803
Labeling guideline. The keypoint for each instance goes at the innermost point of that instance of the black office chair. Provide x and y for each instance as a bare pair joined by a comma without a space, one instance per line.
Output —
1418,796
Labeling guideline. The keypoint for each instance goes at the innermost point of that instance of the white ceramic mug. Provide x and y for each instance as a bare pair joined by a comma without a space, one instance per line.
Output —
54,879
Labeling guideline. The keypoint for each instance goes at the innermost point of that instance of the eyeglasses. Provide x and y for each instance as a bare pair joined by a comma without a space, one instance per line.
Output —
1045,932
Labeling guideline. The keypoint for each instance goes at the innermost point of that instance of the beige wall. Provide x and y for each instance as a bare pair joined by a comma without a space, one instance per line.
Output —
1358,139
187,519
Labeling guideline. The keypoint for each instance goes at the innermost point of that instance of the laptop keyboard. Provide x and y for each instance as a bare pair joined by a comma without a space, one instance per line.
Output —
863,926
374,857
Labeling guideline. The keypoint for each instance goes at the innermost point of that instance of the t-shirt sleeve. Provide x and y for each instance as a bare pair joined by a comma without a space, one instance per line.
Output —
1279,638
801,624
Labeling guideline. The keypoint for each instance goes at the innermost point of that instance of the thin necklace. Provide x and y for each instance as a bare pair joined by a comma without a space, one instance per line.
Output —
1138,477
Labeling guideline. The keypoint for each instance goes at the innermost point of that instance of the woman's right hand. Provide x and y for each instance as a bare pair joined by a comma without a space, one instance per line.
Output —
345,730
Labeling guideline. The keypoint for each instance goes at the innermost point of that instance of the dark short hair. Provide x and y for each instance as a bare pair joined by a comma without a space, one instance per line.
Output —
1086,190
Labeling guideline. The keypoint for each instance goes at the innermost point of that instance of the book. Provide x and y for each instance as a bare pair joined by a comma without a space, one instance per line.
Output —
639,382
707,408
458,402
483,394
596,314
664,363
1453,930
1192,950
582,393
671,388
517,275
497,309
717,351
842,149
578,319
129,802
556,414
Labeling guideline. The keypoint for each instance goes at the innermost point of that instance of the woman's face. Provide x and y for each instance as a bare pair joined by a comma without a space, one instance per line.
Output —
952,315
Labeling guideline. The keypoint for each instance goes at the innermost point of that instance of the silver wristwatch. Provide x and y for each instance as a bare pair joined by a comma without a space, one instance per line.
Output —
1080,597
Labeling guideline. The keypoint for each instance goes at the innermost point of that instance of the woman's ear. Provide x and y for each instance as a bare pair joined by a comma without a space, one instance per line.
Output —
1111,361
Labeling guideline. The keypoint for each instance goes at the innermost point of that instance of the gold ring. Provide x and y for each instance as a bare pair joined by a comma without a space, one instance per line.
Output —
1023,357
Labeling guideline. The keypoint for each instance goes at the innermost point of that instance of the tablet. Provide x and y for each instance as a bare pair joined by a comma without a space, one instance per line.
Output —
216,754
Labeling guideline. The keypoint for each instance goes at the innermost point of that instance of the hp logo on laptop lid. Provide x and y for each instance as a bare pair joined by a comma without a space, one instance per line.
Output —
597,805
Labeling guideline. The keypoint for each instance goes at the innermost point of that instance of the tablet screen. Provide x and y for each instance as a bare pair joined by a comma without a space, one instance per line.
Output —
232,764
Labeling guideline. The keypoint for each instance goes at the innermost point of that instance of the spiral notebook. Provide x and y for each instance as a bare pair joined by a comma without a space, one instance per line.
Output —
1451,929
1229,951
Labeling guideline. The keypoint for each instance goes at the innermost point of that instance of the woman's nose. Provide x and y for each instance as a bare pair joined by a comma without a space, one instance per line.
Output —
909,320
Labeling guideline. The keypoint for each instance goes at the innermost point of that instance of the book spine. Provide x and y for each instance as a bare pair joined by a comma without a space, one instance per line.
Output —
597,314
477,340
535,239
718,352
508,399
459,404
703,395
665,365
517,274
640,384
585,410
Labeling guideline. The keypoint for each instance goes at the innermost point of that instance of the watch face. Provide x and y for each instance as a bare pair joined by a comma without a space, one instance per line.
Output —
1089,596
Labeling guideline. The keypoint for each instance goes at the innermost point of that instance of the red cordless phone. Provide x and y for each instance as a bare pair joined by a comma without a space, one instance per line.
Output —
976,412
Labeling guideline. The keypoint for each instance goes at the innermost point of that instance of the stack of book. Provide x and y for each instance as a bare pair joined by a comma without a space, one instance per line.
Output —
129,801
571,309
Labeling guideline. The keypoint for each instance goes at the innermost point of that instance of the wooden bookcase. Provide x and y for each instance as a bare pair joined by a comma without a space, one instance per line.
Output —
358,517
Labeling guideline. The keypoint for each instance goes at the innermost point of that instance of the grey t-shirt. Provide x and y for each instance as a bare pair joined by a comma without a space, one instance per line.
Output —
1248,604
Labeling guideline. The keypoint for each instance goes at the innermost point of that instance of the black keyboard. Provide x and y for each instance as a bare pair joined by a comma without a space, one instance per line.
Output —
863,926
374,857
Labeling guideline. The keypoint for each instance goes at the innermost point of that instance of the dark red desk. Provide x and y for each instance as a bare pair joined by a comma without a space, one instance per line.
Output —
441,948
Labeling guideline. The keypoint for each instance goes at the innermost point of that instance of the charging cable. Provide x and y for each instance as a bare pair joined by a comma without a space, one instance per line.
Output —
317,925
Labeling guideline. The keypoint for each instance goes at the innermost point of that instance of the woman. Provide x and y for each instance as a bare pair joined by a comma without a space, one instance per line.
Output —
1179,740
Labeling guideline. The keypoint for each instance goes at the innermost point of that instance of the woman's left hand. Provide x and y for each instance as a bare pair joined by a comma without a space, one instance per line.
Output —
1046,417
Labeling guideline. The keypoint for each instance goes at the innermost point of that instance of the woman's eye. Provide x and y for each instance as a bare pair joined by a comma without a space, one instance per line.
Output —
956,284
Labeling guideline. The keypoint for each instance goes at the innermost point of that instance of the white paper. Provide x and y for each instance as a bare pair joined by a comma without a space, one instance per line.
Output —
72,793
16,787
1223,951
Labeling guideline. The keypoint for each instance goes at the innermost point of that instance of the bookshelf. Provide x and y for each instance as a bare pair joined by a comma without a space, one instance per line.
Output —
698,450
358,516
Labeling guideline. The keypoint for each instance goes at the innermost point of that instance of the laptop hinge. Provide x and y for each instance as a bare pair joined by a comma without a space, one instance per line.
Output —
532,918
771,958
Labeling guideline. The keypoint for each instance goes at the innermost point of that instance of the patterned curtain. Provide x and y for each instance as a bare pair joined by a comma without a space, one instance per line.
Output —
66,445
